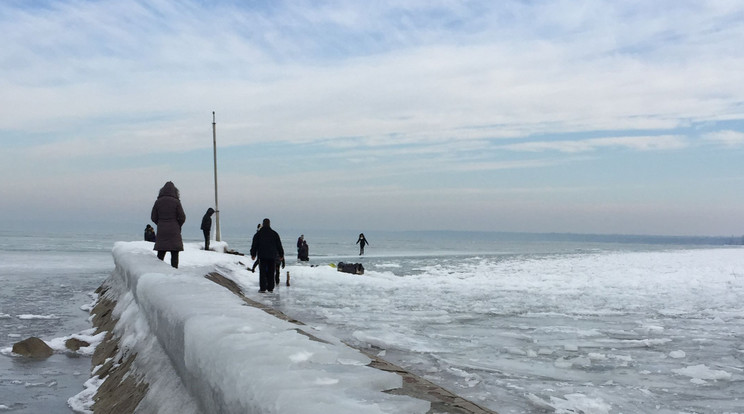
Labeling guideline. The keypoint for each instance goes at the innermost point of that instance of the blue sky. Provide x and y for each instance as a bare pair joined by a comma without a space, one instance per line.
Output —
558,116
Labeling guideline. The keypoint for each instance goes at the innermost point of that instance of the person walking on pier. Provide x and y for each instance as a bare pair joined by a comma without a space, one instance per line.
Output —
267,246
206,226
168,216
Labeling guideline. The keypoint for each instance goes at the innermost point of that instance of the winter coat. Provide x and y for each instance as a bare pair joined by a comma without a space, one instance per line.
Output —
304,254
266,244
363,241
207,220
167,214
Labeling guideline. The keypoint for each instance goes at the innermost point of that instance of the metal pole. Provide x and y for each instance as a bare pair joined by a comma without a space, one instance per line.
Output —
218,236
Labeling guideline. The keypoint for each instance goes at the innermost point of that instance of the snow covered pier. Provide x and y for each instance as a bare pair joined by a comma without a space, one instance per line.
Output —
187,341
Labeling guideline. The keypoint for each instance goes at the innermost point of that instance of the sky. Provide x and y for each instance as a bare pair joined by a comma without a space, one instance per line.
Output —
557,116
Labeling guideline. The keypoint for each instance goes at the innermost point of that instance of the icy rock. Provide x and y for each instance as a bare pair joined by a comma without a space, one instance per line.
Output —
33,347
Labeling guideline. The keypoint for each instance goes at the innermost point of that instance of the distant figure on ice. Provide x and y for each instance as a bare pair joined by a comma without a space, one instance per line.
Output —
299,245
206,226
150,234
267,246
304,254
361,242
167,214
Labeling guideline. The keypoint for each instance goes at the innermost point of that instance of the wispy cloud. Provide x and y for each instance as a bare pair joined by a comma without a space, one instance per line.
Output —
305,72
727,138
644,143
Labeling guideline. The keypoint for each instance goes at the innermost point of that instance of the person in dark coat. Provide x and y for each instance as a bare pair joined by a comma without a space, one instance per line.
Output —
268,247
304,252
206,226
168,216
299,245
255,264
150,234
361,241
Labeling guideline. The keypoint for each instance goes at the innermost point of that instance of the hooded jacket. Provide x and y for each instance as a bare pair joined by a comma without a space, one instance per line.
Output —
207,220
167,214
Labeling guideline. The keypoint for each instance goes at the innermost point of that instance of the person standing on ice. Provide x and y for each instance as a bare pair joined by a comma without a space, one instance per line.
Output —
267,246
206,226
361,242
304,252
299,245
168,216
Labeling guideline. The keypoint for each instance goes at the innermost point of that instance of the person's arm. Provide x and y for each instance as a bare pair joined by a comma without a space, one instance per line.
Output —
181,216
254,247
279,247
154,213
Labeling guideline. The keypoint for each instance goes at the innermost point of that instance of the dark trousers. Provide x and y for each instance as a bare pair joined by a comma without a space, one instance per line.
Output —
174,257
206,239
266,267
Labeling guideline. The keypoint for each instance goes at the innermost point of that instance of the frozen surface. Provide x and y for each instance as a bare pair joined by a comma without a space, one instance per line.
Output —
233,358
583,330
592,332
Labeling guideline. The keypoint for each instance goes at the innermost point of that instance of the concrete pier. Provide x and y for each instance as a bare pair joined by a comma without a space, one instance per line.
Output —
183,342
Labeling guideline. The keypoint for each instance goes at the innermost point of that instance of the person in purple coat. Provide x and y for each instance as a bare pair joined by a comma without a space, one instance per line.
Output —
168,216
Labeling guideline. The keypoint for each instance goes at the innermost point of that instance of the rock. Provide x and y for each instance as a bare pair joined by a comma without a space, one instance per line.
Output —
73,344
33,347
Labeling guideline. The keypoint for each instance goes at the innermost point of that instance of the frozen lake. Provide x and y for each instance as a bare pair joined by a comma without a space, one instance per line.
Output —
594,332
519,327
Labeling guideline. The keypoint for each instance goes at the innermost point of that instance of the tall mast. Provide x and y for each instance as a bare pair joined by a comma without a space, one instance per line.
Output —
218,236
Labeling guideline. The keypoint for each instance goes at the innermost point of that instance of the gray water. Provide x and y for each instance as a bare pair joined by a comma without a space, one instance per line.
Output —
50,278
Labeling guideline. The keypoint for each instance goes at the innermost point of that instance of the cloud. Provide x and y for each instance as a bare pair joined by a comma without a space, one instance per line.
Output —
726,138
388,98
643,143
303,72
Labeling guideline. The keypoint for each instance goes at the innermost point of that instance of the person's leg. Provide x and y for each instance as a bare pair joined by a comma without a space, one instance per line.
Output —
264,272
276,274
206,239
161,254
267,273
174,259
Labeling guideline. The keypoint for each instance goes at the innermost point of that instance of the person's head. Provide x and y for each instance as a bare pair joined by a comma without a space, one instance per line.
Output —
169,189
302,236
266,223
210,211
361,235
